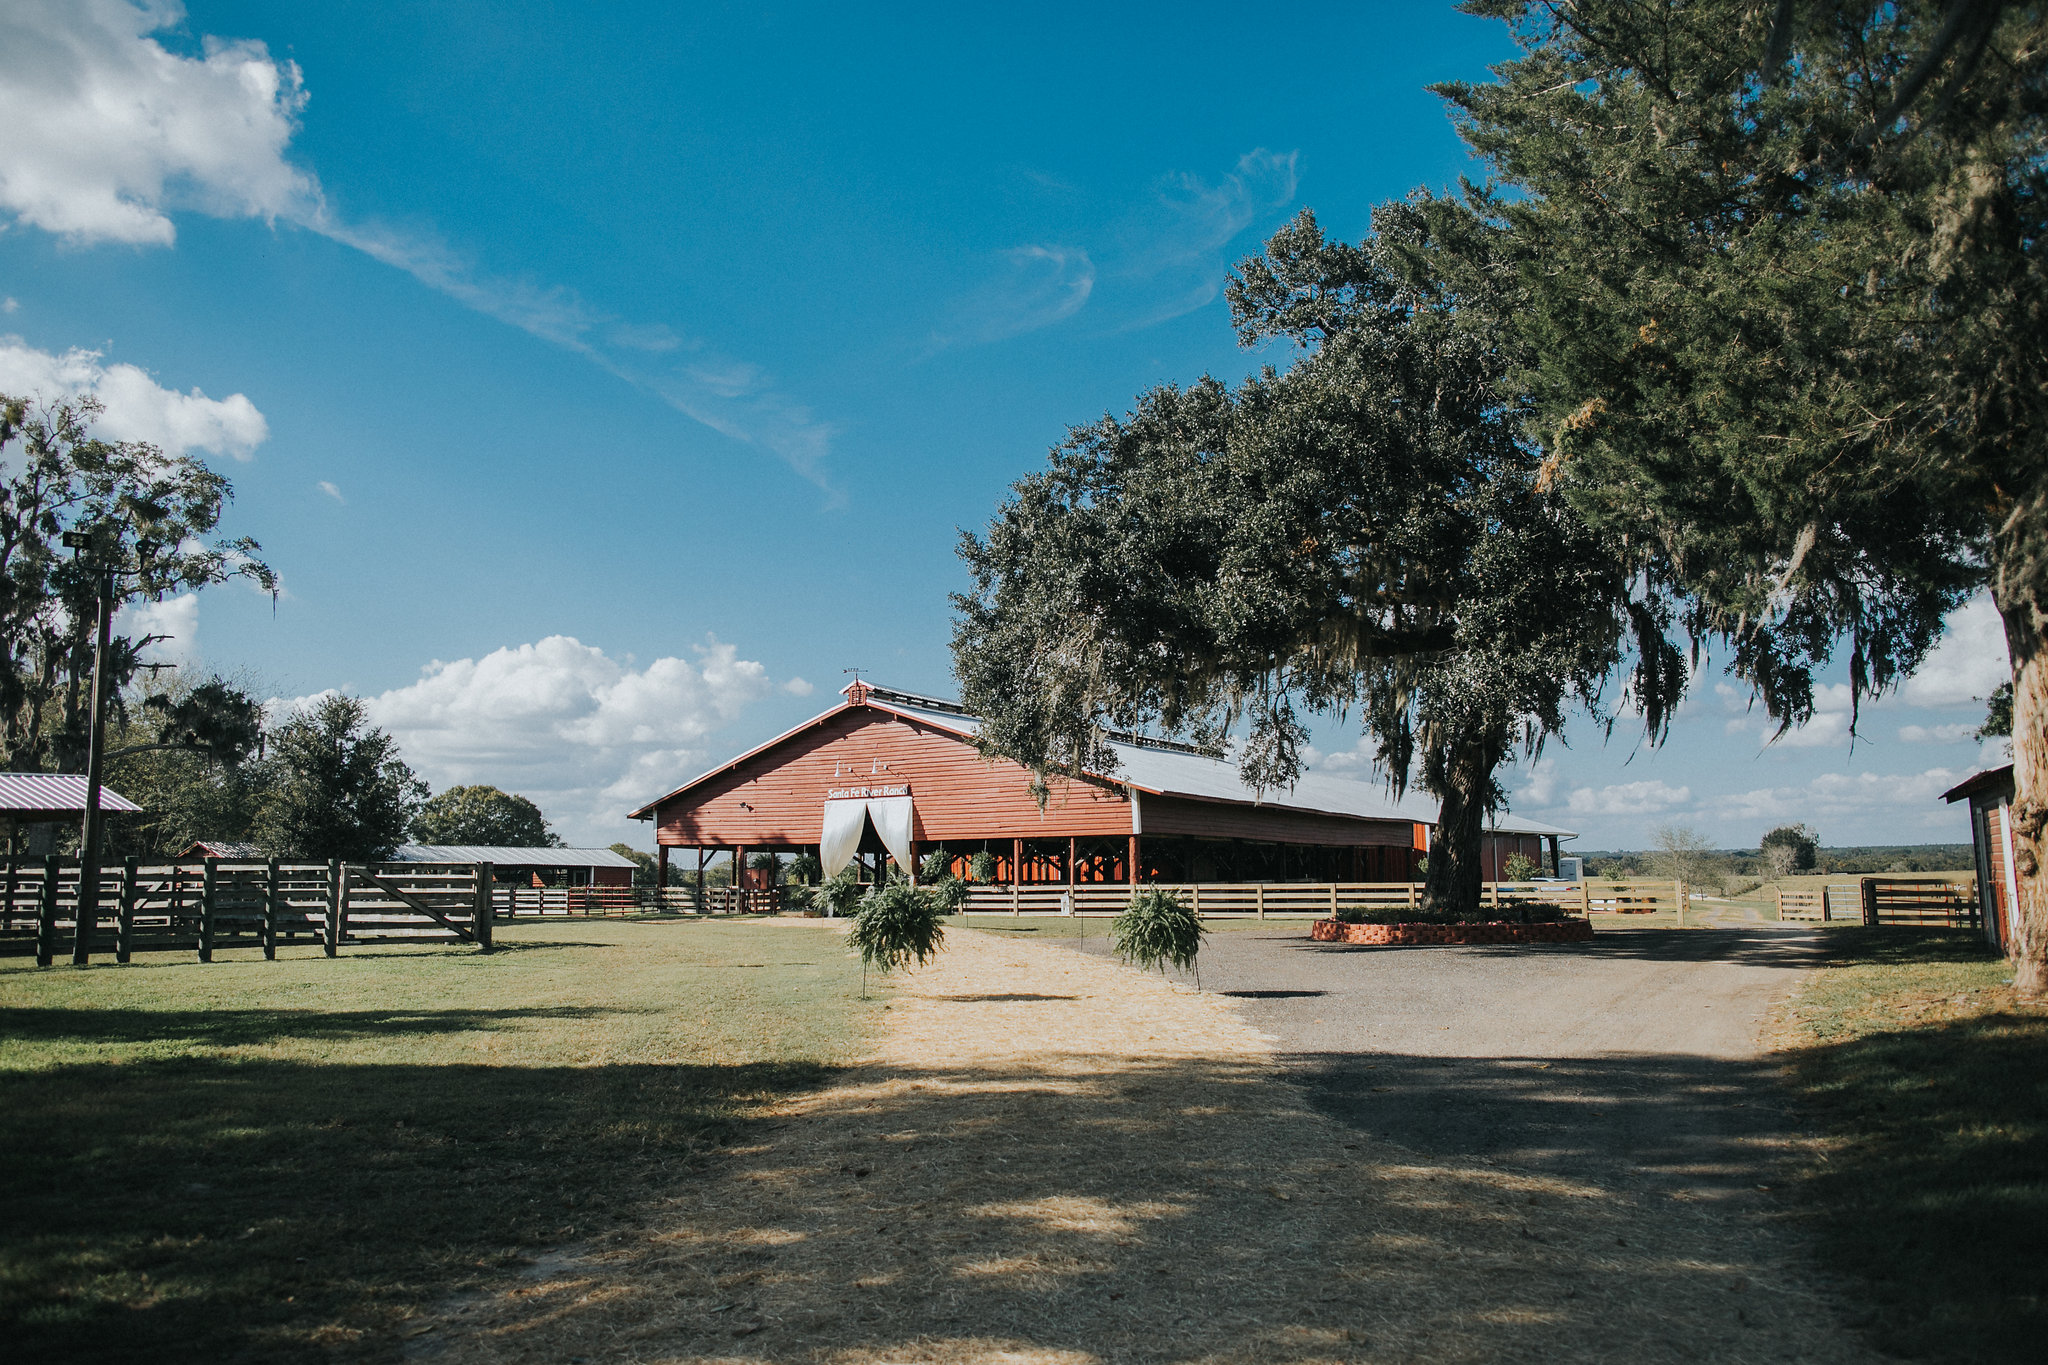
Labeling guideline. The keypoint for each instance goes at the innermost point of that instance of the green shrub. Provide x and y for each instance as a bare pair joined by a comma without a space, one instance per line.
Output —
1157,929
897,923
950,893
1519,868
805,869
840,893
981,868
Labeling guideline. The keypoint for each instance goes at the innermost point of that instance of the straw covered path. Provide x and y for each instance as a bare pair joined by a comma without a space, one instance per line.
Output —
1054,1158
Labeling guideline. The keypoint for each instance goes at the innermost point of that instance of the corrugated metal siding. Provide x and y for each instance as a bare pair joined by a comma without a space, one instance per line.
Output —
777,796
55,792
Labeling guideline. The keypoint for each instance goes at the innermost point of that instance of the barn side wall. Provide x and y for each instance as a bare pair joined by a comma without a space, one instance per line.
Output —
1219,820
957,795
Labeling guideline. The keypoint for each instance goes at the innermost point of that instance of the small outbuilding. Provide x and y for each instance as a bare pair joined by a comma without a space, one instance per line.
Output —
1990,794
50,799
892,774
530,866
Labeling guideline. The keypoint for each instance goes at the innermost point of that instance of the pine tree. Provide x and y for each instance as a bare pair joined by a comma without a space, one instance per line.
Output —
1781,290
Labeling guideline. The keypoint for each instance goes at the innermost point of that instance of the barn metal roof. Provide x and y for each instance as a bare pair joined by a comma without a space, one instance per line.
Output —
1164,768
510,857
48,793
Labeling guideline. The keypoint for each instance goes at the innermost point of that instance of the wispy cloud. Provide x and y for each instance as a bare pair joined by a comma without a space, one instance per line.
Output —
110,133
1030,288
331,491
1178,249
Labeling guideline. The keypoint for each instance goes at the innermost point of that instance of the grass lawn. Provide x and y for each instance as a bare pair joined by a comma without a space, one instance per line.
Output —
278,1161
1930,1085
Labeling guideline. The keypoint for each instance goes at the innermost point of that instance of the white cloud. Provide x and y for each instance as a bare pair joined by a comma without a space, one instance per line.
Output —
1628,798
108,133
586,736
1969,664
175,617
1937,734
1840,796
1034,287
331,491
107,130
10,304
797,687
137,407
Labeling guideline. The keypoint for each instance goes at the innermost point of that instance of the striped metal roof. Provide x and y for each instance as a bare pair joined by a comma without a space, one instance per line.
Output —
43,792
510,857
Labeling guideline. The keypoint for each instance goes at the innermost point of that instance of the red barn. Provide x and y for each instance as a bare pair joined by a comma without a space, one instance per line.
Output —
893,774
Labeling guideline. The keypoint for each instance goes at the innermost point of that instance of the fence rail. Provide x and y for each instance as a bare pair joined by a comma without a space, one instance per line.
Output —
1262,899
204,906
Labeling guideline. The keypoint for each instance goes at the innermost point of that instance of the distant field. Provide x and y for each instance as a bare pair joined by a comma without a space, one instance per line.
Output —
279,1161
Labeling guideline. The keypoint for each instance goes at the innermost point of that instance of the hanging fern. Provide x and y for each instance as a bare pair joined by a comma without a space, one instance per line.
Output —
896,924
1157,929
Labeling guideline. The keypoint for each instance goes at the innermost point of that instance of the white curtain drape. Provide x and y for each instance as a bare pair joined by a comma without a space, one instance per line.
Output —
844,821
847,817
892,815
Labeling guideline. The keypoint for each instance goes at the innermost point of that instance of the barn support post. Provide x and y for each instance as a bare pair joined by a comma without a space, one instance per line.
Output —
1554,863
1073,863
209,887
486,879
46,914
739,877
660,873
698,908
124,921
13,881
1133,858
270,911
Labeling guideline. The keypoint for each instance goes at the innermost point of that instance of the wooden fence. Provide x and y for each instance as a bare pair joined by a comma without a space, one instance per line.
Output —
205,906
521,902
1320,899
1883,900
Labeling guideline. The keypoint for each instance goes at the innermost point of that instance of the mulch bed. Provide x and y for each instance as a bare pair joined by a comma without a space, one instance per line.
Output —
1415,935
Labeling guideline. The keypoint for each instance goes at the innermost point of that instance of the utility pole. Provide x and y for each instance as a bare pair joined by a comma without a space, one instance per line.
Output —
95,755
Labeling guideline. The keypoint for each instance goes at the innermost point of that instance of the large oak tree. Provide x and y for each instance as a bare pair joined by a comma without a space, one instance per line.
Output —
1363,534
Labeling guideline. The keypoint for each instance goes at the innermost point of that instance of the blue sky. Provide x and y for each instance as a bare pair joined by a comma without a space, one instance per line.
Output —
603,380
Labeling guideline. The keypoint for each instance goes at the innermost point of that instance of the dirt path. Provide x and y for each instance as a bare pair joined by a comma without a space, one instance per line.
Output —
1054,1158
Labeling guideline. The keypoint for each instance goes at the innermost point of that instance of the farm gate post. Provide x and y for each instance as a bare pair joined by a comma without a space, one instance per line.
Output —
209,887
124,917
270,911
46,915
331,940
486,876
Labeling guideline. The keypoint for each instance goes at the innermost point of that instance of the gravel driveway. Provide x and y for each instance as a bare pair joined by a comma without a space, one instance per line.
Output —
1635,1056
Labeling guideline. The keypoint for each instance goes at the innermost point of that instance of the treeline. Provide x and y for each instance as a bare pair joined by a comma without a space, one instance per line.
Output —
1731,865
323,782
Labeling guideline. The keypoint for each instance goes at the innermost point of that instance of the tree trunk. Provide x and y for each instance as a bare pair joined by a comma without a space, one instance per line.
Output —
2026,635
1452,887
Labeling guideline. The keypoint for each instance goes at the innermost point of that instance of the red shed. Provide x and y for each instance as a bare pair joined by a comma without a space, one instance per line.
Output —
892,774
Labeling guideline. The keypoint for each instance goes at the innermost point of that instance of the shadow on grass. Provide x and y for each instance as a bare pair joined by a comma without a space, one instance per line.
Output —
205,1209
243,1027
1935,1190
